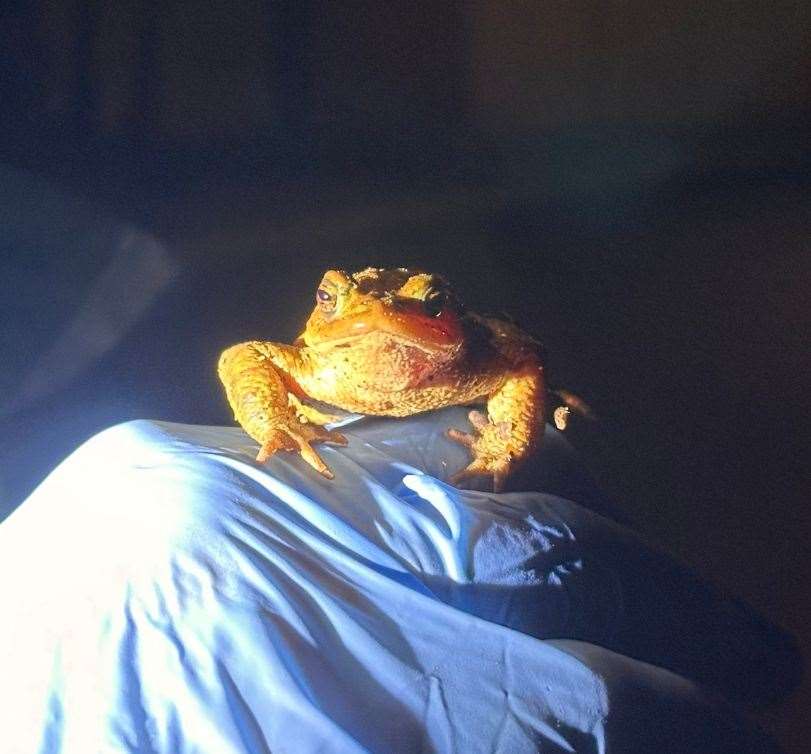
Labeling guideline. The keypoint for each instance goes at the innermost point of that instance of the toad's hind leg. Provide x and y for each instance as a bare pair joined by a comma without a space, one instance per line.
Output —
510,432
311,414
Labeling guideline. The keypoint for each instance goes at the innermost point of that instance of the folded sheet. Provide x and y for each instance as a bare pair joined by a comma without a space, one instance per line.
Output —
163,592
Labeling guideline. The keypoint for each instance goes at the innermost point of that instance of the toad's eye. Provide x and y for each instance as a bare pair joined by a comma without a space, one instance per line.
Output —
435,302
325,299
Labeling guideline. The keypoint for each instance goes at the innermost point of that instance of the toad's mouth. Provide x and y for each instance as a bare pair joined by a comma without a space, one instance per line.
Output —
383,340
404,324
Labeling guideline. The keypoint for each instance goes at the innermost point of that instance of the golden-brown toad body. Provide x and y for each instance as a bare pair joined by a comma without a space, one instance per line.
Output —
391,342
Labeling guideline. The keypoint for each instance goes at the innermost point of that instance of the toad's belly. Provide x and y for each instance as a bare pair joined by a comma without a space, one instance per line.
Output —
385,398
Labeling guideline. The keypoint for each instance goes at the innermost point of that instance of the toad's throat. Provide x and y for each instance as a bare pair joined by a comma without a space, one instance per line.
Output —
377,364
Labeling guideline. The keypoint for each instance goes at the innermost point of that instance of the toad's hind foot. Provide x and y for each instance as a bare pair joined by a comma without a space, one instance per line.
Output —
310,414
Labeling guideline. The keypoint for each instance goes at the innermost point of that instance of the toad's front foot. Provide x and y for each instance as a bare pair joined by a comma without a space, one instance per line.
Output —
494,451
297,437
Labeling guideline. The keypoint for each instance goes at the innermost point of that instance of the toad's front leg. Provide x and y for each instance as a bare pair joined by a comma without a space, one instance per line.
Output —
510,432
261,390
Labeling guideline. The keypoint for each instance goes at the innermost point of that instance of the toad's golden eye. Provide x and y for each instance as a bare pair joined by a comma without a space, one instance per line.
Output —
325,299
435,302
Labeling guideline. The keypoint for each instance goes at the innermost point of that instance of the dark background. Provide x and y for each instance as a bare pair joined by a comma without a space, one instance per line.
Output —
629,180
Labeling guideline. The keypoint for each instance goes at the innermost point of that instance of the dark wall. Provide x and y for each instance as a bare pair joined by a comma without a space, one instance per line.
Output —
188,70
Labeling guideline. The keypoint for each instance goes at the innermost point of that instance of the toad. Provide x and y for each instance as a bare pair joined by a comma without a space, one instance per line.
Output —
392,342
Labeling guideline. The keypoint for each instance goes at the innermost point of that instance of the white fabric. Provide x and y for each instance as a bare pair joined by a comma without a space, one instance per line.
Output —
162,592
